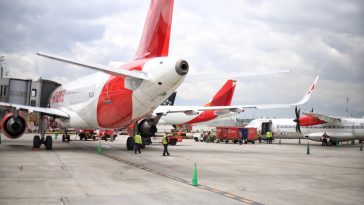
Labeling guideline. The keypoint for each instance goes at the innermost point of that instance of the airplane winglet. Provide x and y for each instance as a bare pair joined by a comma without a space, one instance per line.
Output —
102,68
307,96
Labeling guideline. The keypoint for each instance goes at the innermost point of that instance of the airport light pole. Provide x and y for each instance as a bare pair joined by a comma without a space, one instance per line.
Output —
2,58
347,104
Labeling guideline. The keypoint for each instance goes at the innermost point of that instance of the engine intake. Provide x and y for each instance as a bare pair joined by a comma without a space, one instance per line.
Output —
182,67
147,128
13,127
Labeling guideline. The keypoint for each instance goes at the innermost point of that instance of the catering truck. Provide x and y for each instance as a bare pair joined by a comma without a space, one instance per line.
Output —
234,134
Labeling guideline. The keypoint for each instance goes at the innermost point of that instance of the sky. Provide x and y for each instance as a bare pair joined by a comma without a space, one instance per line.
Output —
308,37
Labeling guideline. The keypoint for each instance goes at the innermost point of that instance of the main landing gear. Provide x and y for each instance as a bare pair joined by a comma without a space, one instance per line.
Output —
38,141
47,141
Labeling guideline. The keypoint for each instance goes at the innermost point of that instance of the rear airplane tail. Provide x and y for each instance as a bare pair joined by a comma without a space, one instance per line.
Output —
157,29
224,96
170,100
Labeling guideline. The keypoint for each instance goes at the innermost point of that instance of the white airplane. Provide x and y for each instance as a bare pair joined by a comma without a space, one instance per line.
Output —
312,126
218,107
112,97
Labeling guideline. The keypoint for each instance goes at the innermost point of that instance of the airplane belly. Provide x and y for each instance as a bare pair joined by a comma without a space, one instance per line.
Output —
176,119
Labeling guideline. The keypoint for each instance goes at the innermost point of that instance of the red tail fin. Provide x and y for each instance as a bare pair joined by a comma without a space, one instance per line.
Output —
224,96
157,29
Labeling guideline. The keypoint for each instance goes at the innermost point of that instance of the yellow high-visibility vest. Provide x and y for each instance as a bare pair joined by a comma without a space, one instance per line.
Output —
269,134
164,139
138,139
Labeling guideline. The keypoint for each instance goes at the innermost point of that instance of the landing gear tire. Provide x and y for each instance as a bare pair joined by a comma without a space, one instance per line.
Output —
48,143
36,142
130,143
173,141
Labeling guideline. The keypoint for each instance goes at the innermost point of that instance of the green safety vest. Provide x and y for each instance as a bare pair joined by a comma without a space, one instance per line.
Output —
138,139
164,139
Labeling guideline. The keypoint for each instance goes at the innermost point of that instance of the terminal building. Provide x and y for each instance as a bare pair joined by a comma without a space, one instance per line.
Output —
27,92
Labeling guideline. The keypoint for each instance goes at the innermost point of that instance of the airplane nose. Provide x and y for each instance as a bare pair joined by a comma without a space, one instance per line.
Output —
182,67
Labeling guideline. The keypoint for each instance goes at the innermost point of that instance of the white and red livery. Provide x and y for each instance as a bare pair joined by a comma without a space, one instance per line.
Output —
112,97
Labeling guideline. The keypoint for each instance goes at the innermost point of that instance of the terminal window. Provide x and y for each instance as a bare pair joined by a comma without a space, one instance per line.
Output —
34,92
33,103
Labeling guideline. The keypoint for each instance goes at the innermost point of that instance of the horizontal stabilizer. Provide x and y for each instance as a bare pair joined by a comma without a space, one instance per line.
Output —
102,68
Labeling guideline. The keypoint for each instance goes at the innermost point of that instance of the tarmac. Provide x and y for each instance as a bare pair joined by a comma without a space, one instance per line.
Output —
260,173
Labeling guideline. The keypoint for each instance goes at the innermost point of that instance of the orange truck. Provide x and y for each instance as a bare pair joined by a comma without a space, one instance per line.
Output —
105,134
234,134
176,137
87,134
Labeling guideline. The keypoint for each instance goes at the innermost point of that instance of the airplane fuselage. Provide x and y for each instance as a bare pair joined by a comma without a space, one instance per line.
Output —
344,130
102,100
182,118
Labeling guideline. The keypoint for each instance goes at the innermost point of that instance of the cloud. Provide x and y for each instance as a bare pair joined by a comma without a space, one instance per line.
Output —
308,37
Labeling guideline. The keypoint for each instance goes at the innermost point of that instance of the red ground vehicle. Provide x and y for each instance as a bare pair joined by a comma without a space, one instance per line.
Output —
105,134
249,134
87,134
235,134
176,137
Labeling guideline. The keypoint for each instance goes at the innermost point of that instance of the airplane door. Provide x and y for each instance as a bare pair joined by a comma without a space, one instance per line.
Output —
105,95
266,126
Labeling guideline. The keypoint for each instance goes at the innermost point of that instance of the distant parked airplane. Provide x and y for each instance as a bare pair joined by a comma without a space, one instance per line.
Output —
313,126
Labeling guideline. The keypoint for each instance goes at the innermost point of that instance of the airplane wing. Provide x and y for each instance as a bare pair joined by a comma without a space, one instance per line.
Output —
323,117
48,111
194,110
102,68
217,76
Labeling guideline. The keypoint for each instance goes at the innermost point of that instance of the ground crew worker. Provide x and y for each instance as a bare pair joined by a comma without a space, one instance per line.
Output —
324,139
137,143
165,144
260,137
269,137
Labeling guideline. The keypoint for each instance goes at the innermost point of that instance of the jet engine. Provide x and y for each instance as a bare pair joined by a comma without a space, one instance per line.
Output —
147,128
13,126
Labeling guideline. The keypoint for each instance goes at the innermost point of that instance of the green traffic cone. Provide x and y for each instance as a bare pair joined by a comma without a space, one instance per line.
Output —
194,179
99,147
361,146
308,148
